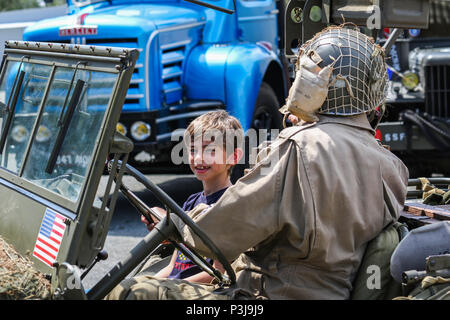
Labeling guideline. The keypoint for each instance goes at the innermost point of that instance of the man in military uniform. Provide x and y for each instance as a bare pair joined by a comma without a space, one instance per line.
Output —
297,225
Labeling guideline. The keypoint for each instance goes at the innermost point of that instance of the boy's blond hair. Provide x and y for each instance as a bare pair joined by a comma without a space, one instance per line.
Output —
217,122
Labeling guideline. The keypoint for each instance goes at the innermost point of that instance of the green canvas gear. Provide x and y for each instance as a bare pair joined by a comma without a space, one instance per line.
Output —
146,287
431,288
432,195
378,253
432,284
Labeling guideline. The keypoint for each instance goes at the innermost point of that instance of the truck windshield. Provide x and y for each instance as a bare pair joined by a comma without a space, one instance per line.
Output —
42,101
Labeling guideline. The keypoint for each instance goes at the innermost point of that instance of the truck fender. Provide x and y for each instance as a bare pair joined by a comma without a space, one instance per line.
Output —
204,76
233,74
246,68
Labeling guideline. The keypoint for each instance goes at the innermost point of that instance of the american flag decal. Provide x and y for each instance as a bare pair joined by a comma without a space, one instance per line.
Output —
49,238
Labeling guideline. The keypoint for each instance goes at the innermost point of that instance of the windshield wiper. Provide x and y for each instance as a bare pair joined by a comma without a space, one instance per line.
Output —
11,110
65,126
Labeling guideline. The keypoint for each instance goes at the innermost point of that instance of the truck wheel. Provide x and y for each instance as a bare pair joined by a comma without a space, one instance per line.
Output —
266,116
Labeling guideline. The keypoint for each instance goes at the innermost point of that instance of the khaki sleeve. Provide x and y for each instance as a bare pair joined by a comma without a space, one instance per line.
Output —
247,213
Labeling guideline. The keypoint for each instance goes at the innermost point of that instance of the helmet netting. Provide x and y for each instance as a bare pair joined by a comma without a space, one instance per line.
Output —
359,82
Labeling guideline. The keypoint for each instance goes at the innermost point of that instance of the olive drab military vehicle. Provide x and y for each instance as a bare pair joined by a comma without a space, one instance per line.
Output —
48,187
49,182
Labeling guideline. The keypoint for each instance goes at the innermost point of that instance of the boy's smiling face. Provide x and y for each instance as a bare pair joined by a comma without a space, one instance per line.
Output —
208,161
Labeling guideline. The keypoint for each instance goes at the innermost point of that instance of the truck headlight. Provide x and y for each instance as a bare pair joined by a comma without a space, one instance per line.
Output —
140,130
19,133
121,128
43,134
410,80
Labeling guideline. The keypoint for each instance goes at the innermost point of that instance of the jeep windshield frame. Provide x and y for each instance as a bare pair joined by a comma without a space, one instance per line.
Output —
58,217
41,121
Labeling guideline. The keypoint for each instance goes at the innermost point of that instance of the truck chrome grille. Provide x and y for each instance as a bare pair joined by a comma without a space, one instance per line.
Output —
172,57
437,90
135,95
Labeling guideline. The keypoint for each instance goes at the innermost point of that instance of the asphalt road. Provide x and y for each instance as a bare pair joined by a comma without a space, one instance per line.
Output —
126,229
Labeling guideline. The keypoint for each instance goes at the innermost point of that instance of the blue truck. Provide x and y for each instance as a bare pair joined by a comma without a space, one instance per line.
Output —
192,60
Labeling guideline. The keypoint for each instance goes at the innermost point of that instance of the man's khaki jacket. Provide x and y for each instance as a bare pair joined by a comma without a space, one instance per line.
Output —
298,223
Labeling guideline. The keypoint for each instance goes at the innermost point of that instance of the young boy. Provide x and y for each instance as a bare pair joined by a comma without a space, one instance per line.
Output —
211,159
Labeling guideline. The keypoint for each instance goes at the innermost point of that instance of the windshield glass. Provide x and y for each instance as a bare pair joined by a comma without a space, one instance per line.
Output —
25,105
35,129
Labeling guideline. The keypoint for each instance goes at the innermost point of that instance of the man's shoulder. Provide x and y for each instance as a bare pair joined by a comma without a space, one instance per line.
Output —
305,133
328,128
290,132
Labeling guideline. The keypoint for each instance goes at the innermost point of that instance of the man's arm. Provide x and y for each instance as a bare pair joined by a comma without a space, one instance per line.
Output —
248,212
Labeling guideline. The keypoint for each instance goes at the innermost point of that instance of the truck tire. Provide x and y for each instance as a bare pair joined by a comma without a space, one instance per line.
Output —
265,116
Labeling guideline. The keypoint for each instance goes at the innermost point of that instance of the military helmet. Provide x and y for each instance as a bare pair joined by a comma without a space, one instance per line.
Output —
359,81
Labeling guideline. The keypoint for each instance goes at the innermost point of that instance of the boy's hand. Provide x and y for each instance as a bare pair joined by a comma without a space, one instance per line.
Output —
149,225
218,266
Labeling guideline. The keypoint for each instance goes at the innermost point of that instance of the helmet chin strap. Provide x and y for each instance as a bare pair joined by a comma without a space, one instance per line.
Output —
375,116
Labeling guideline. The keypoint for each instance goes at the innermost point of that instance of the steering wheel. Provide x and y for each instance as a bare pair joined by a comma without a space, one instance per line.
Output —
181,245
